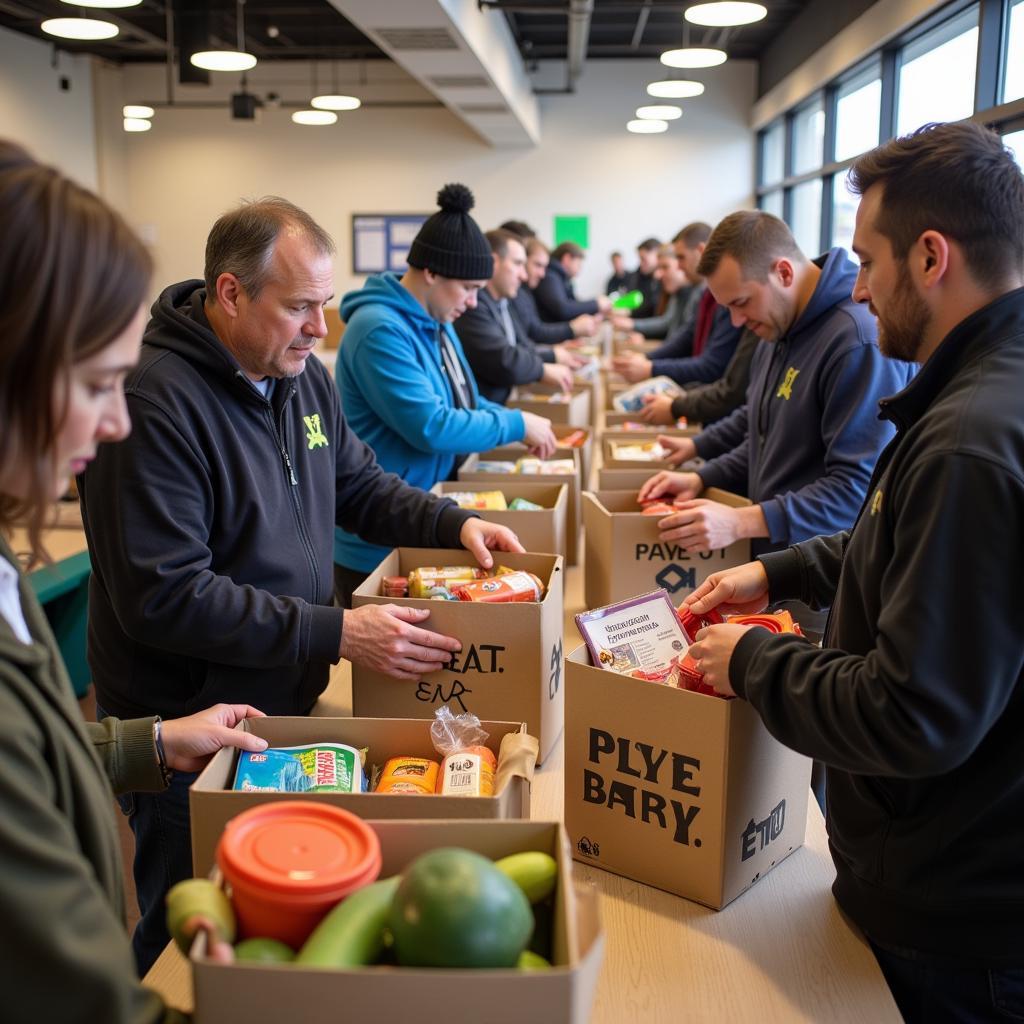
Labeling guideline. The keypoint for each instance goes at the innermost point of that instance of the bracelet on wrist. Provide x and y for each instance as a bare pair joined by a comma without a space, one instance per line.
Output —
161,755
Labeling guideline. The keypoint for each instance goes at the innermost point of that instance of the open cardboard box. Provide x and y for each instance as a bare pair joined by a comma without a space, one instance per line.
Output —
469,473
679,790
612,457
537,530
212,802
510,666
575,412
625,555
614,426
242,993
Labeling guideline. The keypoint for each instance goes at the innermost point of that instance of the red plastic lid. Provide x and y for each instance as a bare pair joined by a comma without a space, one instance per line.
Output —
299,847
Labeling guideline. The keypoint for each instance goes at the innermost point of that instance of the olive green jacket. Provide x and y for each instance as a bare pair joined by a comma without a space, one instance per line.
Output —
66,956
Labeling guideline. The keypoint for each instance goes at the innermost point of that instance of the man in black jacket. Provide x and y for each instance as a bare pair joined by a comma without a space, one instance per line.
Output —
555,296
211,528
915,702
500,355
524,305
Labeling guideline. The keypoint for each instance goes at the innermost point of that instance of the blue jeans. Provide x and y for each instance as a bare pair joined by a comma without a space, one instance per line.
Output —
930,992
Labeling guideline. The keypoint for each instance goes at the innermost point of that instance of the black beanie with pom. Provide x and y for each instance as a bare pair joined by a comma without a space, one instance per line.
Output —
449,243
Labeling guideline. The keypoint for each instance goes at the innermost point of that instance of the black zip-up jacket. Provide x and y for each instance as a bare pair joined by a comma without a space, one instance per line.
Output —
524,311
556,299
211,528
916,700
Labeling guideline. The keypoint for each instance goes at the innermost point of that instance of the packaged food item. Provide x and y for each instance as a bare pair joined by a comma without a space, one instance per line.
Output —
396,586
316,768
425,581
495,466
647,451
692,623
691,678
632,399
529,465
576,439
468,767
512,586
553,398
522,505
657,508
415,775
774,622
493,500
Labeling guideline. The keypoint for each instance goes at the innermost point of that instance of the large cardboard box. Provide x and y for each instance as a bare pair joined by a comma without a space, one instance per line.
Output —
624,555
242,993
679,790
614,421
575,412
212,802
470,473
538,530
586,449
623,479
510,666
611,446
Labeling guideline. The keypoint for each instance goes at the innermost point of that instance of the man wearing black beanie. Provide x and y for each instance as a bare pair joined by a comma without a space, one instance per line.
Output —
406,387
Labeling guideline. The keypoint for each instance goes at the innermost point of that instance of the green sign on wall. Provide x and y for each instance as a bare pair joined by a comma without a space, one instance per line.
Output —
573,229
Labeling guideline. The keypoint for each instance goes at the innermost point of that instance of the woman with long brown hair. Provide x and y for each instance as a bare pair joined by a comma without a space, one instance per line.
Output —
73,278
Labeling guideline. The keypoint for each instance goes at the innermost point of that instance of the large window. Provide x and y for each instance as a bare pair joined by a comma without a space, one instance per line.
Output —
805,221
808,137
1013,84
844,210
771,202
1015,142
773,153
858,114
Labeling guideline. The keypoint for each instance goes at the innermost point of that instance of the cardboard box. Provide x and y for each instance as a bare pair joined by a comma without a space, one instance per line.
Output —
679,790
212,802
510,666
242,993
610,444
625,557
613,422
470,474
538,531
575,412
623,479
586,449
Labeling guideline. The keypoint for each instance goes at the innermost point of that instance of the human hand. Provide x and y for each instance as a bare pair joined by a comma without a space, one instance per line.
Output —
191,741
567,357
557,375
539,436
685,485
623,321
712,653
387,638
657,409
604,304
633,366
480,537
583,326
742,590
701,525
680,449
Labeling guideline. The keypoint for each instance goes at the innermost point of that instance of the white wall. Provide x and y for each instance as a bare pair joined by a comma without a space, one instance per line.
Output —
54,125
196,163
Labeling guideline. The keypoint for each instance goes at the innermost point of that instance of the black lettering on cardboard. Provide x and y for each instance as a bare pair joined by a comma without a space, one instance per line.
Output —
682,771
624,794
684,818
593,787
652,805
651,765
601,742
623,765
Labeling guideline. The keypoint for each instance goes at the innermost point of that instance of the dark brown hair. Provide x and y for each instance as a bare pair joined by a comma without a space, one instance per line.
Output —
957,179
519,228
567,249
693,234
72,277
648,244
755,240
499,238
242,242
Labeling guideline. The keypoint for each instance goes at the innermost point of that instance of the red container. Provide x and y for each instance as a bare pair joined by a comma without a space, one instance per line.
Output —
288,863
692,623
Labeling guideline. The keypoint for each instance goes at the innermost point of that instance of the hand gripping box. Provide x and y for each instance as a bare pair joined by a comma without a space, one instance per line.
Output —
242,993
510,665
679,790
534,398
212,801
625,556
538,530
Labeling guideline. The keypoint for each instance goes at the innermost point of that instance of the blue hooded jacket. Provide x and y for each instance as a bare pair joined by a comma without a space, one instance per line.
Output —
397,399
806,441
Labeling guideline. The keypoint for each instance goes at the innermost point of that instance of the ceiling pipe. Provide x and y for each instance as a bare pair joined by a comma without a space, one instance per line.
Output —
580,12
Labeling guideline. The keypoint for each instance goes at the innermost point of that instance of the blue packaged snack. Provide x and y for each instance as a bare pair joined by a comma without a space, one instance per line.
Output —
316,768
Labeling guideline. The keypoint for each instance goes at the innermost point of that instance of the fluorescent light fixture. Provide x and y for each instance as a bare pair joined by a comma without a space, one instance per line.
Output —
79,28
646,127
333,101
675,89
137,110
659,112
725,13
314,117
137,124
102,3
693,57
223,60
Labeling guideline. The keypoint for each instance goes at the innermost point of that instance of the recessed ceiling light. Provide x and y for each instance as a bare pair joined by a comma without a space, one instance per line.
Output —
659,112
102,3
314,117
137,110
725,13
223,60
137,124
646,127
675,88
79,28
693,57
335,101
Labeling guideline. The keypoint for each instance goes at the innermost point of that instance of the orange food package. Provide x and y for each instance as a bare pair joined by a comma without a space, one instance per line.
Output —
511,586
658,508
415,775
468,772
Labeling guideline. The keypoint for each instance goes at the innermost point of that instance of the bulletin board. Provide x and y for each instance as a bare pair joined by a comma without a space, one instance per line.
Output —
380,241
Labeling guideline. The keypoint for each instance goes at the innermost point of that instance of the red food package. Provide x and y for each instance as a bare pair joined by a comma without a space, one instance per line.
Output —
693,623
657,508
774,622
691,678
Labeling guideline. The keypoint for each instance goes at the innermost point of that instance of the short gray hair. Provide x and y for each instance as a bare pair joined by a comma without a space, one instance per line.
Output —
242,242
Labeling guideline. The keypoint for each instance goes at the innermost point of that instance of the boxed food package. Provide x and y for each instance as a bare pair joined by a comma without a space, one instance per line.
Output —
542,530
632,398
212,801
242,992
625,555
630,424
679,790
554,404
510,666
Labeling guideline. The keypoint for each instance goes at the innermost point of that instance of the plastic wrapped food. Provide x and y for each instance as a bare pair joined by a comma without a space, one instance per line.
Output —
509,587
415,775
482,500
425,581
530,465
314,768
495,466
468,767
395,586
522,505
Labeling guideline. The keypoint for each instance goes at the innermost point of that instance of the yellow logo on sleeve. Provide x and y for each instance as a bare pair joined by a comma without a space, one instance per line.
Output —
314,432
786,387
876,502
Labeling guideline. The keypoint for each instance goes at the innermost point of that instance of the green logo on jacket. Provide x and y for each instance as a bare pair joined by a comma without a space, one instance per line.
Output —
314,432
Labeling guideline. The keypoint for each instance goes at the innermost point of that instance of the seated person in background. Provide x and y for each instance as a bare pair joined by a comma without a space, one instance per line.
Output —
554,293
701,350
620,275
405,385
677,296
524,305
644,279
705,403
499,354
520,229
